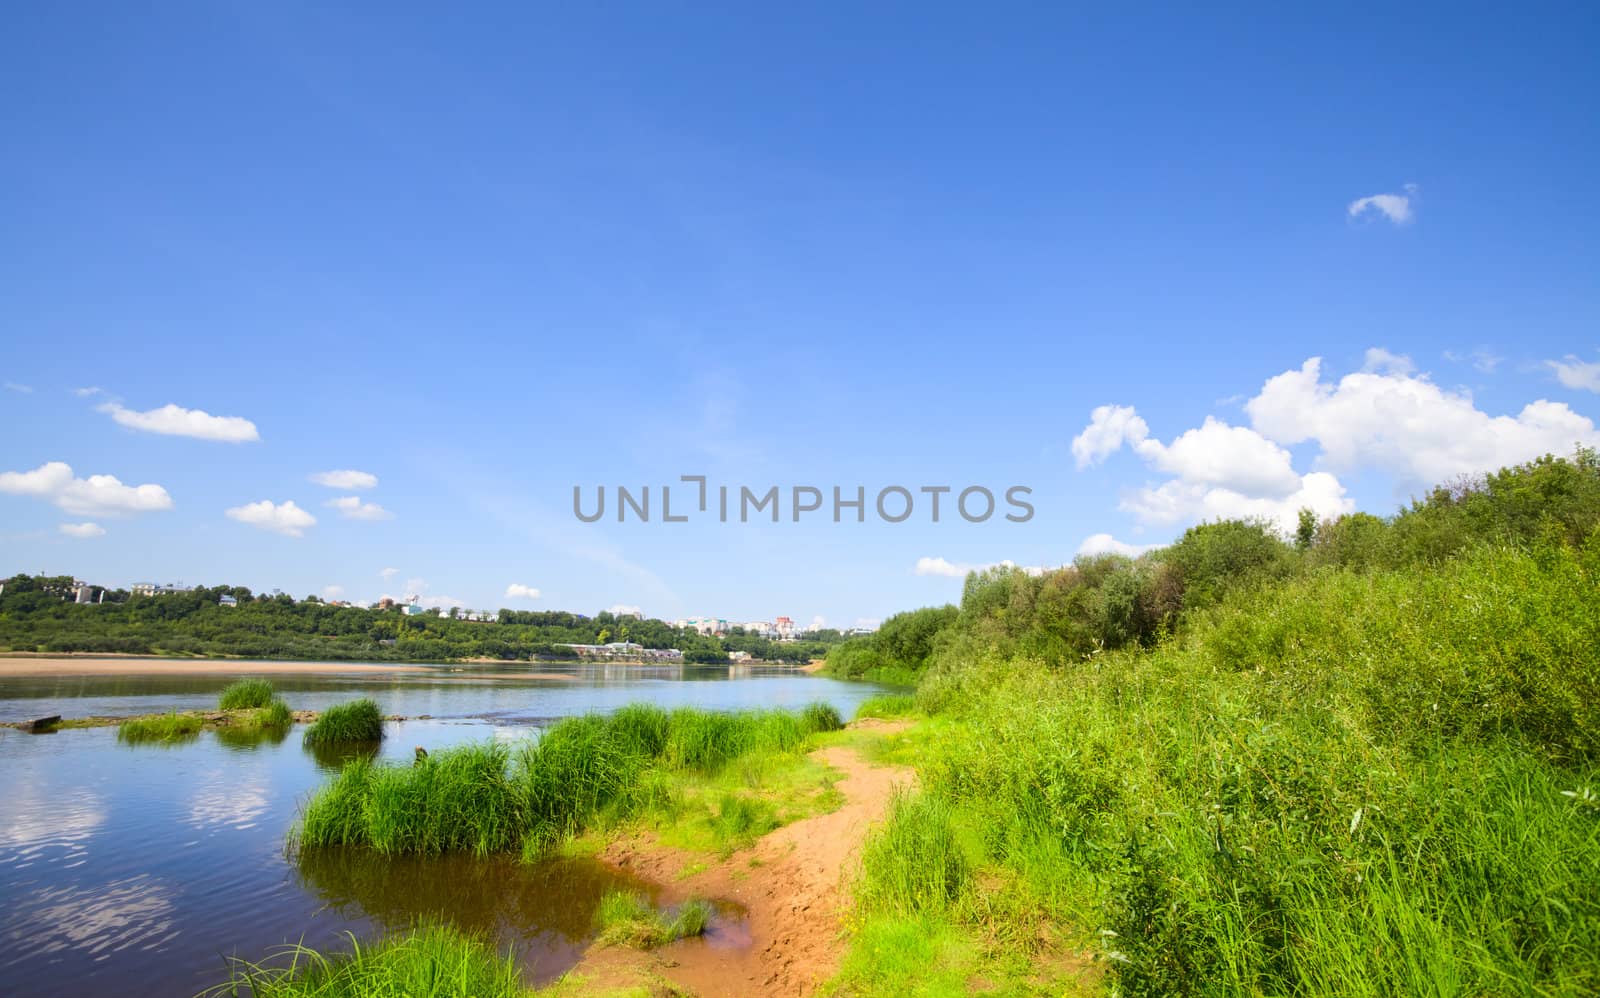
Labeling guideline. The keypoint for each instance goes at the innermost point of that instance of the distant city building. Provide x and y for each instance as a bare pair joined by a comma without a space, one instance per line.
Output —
386,603
739,656
152,589
228,601
708,626
785,628
82,592
624,649
761,629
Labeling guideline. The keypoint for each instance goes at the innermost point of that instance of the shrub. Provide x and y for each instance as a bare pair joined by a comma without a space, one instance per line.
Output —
819,717
171,727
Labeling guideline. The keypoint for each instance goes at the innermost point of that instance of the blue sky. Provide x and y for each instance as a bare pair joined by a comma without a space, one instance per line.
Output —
489,255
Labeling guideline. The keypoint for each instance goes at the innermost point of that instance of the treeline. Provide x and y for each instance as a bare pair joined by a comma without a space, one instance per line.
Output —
1106,602
36,614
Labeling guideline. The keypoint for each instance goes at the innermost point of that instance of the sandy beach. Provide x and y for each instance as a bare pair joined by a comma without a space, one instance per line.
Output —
131,666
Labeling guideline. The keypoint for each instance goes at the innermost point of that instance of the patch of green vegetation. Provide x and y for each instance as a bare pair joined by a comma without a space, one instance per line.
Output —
160,728
819,716
887,705
716,780
246,694
347,723
626,918
432,962
1363,763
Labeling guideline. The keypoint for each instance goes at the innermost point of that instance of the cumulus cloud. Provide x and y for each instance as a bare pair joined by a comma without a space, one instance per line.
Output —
1407,425
388,573
519,591
1228,457
12,386
84,393
82,530
1178,501
1575,373
1110,426
1395,207
352,508
282,518
1096,544
1380,360
346,479
176,421
97,495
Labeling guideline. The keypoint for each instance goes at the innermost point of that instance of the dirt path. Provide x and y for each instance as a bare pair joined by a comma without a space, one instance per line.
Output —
793,882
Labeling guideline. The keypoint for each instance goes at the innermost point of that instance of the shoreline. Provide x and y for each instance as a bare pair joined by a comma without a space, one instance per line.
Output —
45,666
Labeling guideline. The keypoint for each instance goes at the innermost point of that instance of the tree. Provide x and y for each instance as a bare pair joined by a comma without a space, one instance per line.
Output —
1306,531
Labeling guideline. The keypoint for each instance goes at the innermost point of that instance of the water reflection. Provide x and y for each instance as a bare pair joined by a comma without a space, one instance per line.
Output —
136,912
545,911
330,758
250,739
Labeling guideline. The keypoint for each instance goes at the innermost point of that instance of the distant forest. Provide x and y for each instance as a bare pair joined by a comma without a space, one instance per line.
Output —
37,614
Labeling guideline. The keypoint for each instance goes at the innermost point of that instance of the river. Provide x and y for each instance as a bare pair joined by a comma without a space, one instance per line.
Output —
138,870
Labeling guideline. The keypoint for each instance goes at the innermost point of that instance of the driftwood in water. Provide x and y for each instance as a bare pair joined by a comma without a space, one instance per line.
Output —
41,723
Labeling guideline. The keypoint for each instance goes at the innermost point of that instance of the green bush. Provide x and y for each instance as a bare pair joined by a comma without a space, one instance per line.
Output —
820,716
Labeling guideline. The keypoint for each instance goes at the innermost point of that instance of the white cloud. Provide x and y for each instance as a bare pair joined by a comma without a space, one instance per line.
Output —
1096,544
1575,373
285,518
332,592
346,479
12,386
1407,425
939,566
1178,501
352,508
1482,359
818,623
176,421
97,495
1395,207
1109,427
82,530
623,610
1380,360
84,393
519,591
388,573
1230,457
952,570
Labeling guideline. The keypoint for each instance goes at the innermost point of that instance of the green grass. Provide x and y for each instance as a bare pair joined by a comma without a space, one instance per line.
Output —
345,723
246,694
820,716
432,962
173,727
1338,784
627,918
887,705
710,772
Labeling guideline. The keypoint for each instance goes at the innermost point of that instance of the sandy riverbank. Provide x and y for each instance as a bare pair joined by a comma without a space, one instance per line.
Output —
132,666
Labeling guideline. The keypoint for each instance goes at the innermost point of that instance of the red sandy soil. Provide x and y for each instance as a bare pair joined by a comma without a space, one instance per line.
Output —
794,883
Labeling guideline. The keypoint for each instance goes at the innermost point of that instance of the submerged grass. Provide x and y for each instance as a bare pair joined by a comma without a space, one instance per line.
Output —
431,962
355,721
171,727
627,918
697,767
246,694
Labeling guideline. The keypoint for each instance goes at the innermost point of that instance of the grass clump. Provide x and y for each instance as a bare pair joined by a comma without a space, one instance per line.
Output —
820,716
584,772
356,721
627,918
432,962
171,727
887,705
246,694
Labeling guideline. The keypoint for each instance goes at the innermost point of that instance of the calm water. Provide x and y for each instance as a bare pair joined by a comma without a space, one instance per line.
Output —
138,870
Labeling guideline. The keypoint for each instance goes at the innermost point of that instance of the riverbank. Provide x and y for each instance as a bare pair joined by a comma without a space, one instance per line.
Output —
792,882
33,667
